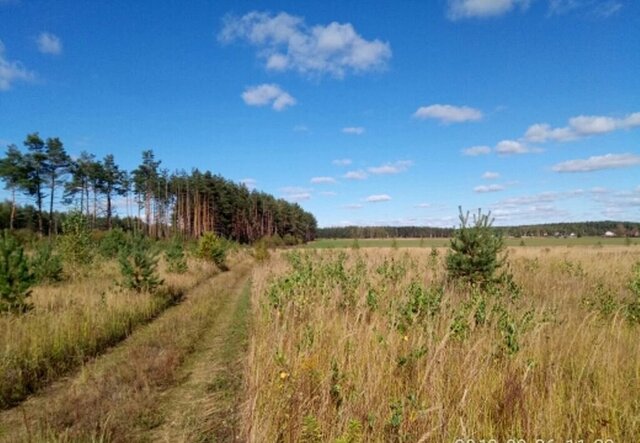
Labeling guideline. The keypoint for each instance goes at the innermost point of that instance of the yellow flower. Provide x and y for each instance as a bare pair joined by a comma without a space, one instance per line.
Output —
284,375
406,338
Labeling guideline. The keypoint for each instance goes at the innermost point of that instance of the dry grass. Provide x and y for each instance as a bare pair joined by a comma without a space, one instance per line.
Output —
361,347
117,397
76,320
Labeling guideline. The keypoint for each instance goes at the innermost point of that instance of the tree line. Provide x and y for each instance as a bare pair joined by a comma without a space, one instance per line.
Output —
579,229
162,203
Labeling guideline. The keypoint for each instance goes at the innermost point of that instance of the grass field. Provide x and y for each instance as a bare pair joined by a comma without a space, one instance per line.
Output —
334,345
443,242
376,345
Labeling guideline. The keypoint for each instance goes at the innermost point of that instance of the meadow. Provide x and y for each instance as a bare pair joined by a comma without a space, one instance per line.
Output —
375,344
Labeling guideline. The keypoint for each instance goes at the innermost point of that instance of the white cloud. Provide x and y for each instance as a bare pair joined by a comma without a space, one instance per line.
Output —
476,150
355,130
295,193
490,175
581,126
448,113
595,163
488,188
250,183
328,193
595,8
342,162
300,128
377,198
12,71
323,180
461,9
391,168
49,43
286,42
268,94
509,147
353,206
422,205
356,175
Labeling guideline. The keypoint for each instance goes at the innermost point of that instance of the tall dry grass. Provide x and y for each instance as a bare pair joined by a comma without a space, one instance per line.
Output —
74,321
375,345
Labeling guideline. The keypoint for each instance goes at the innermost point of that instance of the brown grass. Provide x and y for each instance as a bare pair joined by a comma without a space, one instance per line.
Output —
116,397
332,355
74,321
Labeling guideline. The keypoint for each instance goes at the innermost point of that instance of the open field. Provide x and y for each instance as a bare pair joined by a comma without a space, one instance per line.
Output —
319,345
375,345
443,242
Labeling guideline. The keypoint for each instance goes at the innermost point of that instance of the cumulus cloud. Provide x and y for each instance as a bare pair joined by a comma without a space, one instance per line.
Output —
12,71
490,175
356,175
353,206
477,150
510,147
581,126
448,113
323,180
342,162
596,163
461,9
390,168
488,188
377,198
355,130
49,43
285,42
268,94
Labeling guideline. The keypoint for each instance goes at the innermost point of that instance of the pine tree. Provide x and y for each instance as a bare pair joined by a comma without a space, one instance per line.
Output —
15,278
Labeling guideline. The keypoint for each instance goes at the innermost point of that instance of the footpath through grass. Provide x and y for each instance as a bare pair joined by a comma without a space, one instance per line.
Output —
118,397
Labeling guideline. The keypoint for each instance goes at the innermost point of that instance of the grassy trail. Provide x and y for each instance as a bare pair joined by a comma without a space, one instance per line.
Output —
133,392
203,407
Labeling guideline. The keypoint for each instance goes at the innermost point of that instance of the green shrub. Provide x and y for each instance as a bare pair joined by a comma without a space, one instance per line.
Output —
113,242
475,250
138,265
290,240
213,248
76,245
176,258
46,265
15,278
261,250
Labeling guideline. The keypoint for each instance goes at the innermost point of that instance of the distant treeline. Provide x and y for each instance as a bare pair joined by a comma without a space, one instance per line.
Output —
156,201
579,229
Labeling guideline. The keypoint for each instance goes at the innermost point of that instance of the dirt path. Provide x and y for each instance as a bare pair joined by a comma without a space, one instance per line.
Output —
203,406
171,380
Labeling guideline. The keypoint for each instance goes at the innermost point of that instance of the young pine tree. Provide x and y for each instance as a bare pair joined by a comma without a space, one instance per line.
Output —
15,278
176,258
475,250
138,265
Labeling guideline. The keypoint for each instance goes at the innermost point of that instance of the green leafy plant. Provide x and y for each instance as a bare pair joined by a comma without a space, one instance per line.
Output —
15,278
46,265
176,258
261,250
213,248
138,265
475,250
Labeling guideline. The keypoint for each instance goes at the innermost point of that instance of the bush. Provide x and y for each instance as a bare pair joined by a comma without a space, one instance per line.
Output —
113,242
261,250
138,265
76,245
15,278
213,248
474,256
46,265
176,259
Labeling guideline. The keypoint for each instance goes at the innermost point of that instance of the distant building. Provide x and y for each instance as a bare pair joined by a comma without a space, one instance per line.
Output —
609,234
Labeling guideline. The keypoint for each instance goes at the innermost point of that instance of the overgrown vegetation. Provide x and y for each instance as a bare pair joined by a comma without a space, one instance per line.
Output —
139,266
214,249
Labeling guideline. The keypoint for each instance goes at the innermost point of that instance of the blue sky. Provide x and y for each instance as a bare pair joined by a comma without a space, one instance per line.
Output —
374,112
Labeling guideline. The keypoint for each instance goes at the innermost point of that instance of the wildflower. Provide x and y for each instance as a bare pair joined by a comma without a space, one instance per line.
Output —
406,338
284,375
